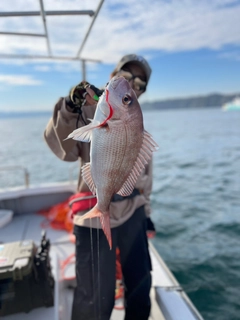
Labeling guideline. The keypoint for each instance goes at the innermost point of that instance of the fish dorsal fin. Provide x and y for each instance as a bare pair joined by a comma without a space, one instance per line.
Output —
87,177
145,154
84,134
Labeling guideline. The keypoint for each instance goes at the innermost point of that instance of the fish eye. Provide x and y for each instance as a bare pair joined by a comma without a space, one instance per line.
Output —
127,99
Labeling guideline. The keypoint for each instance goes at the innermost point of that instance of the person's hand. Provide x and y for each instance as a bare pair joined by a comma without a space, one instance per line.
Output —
151,231
84,94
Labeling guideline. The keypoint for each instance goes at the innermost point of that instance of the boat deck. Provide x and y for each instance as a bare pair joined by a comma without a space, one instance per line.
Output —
29,227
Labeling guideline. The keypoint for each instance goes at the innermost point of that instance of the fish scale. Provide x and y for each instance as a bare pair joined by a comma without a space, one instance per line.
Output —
116,163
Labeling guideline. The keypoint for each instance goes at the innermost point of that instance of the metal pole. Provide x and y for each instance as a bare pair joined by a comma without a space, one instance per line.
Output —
12,168
84,70
45,25
47,13
22,56
90,27
23,34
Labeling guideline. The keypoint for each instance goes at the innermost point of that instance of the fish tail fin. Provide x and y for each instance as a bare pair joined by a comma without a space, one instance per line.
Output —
104,220
105,223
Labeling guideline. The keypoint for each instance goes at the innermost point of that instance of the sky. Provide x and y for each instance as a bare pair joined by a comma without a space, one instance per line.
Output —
192,46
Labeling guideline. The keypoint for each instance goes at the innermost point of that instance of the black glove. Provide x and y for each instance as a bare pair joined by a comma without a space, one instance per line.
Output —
150,225
151,232
77,95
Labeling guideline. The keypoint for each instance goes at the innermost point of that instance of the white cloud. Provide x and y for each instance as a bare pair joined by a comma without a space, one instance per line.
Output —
43,68
17,80
125,26
230,55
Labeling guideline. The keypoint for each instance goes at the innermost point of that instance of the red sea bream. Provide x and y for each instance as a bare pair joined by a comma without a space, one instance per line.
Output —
120,148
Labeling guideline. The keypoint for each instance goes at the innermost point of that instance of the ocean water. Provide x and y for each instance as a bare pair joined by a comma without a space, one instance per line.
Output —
195,199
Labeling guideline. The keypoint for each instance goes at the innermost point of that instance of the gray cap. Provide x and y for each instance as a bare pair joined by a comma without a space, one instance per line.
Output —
136,59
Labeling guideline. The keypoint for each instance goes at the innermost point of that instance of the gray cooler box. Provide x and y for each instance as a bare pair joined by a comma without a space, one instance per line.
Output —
26,280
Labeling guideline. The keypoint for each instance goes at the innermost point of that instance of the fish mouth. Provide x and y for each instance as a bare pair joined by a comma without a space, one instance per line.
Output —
117,80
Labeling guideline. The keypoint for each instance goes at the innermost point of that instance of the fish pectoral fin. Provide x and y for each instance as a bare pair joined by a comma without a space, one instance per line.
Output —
87,177
84,134
104,220
145,154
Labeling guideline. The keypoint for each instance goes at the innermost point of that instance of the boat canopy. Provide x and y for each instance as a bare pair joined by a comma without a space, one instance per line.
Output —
43,13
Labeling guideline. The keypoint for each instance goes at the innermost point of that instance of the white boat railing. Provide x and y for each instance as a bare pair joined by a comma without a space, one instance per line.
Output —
26,173
14,168
171,298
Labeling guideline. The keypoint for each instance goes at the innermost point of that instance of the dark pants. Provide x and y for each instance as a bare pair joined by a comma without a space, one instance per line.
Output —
96,271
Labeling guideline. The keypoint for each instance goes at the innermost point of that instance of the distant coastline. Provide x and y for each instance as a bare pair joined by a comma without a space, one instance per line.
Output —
214,100
24,114
210,100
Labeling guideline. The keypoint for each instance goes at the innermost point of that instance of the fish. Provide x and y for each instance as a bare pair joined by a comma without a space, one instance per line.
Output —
120,148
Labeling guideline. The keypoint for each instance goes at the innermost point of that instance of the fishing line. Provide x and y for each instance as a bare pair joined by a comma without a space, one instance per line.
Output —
98,253
25,230
92,257
79,110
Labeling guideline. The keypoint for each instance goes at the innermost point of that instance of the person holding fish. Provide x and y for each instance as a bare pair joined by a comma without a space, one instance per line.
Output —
116,168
